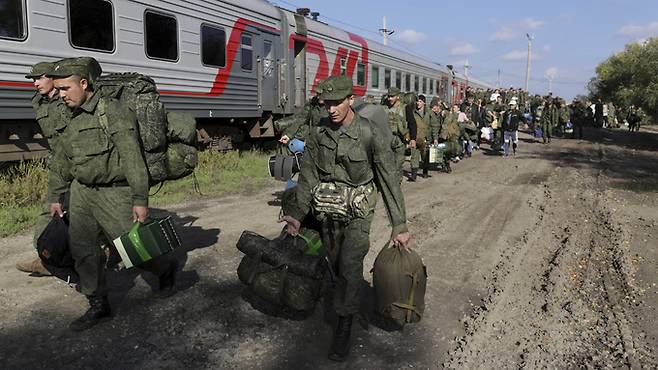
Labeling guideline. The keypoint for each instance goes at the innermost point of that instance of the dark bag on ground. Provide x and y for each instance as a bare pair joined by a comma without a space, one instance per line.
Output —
399,280
282,271
55,252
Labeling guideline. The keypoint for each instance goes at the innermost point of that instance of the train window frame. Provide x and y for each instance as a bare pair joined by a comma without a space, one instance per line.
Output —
424,85
24,24
244,47
147,11
70,30
374,82
343,66
407,81
416,83
387,81
398,79
431,90
216,28
360,74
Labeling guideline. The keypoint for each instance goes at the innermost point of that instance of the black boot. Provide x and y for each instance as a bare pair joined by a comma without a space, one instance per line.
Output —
426,173
99,310
167,281
340,344
414,174
446,164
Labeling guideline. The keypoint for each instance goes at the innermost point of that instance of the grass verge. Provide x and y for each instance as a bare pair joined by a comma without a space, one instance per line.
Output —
23,186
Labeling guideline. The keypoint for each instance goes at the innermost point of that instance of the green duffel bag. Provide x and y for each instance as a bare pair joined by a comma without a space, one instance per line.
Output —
399,280
286,272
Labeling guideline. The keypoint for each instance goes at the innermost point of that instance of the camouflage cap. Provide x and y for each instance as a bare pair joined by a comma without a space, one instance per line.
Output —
335,88
83,66
394,91
40,69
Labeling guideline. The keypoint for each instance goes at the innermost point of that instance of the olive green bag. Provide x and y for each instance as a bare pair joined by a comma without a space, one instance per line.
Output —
399,279
286,272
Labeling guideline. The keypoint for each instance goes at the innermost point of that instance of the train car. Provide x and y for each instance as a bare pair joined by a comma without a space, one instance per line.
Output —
235,65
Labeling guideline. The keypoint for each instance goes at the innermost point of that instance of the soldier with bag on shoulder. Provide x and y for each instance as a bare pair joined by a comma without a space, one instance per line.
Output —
348,160
104,169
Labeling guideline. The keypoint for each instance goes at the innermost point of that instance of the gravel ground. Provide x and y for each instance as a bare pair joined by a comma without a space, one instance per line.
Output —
544,260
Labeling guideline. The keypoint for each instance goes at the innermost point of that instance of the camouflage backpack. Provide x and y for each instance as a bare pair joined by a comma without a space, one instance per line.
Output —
168,139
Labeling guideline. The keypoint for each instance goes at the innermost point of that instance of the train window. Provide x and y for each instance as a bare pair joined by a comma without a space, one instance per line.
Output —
398,79
213,46
91,24
375,77
431,90
161,36
246,53
343,66
361,74
407,82
416,84
424,90
387,78
12,19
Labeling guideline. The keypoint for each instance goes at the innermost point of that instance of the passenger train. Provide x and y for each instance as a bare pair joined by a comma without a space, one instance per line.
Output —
235,65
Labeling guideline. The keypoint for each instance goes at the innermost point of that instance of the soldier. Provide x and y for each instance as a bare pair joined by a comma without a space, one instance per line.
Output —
578,117
105,171
451,133
426,130
550,121
304,121
512,118
347,157
397,123
51,115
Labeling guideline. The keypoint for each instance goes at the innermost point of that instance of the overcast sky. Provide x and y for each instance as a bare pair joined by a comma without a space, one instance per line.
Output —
570,37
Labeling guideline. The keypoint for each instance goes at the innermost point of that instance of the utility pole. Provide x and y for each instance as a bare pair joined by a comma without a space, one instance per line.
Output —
498,80
385,31
527,71
550,84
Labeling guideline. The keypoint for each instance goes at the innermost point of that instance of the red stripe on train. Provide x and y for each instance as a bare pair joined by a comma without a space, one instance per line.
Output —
16,84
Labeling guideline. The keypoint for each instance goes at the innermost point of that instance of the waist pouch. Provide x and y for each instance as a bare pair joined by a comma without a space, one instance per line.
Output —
341,202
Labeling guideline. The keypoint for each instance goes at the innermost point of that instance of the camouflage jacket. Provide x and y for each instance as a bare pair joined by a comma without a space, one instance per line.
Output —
52,116
335,157
451,129
92,155
428,128
303,121
397,123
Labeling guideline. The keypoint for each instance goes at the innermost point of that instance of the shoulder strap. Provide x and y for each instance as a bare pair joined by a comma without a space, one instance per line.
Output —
366,135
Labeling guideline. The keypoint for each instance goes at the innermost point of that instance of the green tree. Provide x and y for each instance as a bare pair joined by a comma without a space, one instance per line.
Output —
629,77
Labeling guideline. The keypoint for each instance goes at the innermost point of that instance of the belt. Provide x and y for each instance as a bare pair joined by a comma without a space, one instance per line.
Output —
116,184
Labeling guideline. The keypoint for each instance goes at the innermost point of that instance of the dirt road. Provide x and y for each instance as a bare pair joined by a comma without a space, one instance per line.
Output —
545,260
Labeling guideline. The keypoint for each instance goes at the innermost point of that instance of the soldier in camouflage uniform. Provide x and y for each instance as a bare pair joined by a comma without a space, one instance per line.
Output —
303,122
426,132
104,169
550,120
51,116
451,133
342,156
398,125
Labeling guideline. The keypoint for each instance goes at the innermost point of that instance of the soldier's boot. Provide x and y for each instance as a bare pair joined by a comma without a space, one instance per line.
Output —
167,281
513,148
543,140
447,166
33,266
426,173
414,174
340,344
99,311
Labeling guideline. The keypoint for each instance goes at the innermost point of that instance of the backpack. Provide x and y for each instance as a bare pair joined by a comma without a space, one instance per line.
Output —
54,250
168,139
399,279
377,116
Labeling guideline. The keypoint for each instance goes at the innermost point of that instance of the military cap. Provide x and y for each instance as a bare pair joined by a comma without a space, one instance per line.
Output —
83,66
40,69
434,102
394,91
335,88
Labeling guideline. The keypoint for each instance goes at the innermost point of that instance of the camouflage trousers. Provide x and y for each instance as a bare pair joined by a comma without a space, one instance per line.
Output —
348,244
420,153
96,211
547,130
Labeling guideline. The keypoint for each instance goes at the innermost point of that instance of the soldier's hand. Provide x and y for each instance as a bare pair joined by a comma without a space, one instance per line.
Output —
436,142
284,139
412,144
56,209
293,225
403,241
140,213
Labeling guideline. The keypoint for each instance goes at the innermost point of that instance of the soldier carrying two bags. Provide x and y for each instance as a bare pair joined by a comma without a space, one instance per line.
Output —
348,162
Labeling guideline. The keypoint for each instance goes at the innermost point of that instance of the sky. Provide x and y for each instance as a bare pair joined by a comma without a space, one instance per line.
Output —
570,38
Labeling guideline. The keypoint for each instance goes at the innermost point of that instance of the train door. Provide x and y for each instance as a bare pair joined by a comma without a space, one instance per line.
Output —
267,67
